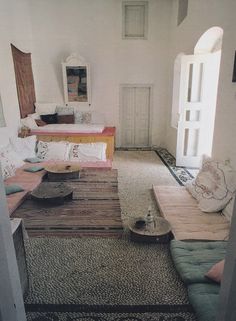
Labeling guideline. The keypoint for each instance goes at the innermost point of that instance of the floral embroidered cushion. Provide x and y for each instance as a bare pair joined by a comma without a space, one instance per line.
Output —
214,185
53,150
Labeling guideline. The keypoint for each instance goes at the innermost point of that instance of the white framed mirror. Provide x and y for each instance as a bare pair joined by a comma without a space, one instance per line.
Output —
76,80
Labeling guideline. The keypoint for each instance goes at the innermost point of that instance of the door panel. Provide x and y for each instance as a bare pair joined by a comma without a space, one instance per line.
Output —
128,121
135,116
197,99
142,103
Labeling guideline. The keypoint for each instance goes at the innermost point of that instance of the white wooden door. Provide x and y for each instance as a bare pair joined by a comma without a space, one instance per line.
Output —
197,102
135,116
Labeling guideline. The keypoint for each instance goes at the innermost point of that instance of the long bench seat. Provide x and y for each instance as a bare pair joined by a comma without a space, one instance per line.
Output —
29,181
187,221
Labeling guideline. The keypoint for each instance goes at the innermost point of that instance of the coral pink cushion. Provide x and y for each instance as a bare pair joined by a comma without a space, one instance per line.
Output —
216,272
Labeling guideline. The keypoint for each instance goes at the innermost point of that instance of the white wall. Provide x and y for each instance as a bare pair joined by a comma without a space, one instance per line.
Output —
201,16
93,29
15,29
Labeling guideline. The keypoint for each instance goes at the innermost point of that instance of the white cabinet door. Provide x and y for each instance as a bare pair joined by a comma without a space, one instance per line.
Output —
135,114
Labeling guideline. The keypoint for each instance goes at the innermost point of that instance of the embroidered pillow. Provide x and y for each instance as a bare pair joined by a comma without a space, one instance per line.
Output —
8,169
78,116
53,150
91,152
216,272
25,147
10,161
87,117
214,185
64,110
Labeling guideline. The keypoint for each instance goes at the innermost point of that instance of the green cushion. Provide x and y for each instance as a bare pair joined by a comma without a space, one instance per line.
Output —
11,189
34,169
33,160
194,259
204,299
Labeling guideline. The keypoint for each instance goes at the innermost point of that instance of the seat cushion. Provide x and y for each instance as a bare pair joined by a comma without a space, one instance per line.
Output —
187,221
204,298
194,259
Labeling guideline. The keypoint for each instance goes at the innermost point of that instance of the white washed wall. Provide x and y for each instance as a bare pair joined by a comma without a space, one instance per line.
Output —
93,28
14,28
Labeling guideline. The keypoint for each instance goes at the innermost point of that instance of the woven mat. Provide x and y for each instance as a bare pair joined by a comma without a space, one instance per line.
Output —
93,211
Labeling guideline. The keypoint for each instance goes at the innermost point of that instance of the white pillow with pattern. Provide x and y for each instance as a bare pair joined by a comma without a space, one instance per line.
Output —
10,161
53,150
214,185
88,152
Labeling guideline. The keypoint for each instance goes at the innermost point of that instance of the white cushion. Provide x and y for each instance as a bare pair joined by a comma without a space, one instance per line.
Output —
45,108
34,116
214,185
228,210
91,152
53,150
10,161
24,147
29,122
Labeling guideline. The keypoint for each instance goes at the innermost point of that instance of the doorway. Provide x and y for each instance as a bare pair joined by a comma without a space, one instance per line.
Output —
198,85
135,115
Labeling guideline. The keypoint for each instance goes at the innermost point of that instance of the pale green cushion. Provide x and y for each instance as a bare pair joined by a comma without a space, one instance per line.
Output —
205,300
34,169
194,259
33,160
11,189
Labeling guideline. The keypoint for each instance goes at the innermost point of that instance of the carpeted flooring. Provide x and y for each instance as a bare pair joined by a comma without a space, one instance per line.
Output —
101,271
111,280
107,279
131,316
137,172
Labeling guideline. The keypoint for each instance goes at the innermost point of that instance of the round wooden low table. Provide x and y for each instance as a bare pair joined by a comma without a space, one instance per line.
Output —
58,172
157,231
52,193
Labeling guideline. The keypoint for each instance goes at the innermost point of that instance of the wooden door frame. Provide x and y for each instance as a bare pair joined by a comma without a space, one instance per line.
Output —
135,85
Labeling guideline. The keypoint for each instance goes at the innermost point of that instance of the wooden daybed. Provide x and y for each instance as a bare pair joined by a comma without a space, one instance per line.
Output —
107,136
187,221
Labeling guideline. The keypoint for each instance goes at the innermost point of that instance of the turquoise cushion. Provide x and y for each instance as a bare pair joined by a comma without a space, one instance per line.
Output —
194,259
33,160
205,299
34,169
11,189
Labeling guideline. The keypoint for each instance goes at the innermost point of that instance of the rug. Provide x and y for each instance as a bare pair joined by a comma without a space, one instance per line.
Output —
94,210
101,272
55,316
181,174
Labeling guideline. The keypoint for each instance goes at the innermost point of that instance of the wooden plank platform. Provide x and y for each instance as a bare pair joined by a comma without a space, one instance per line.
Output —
94,210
